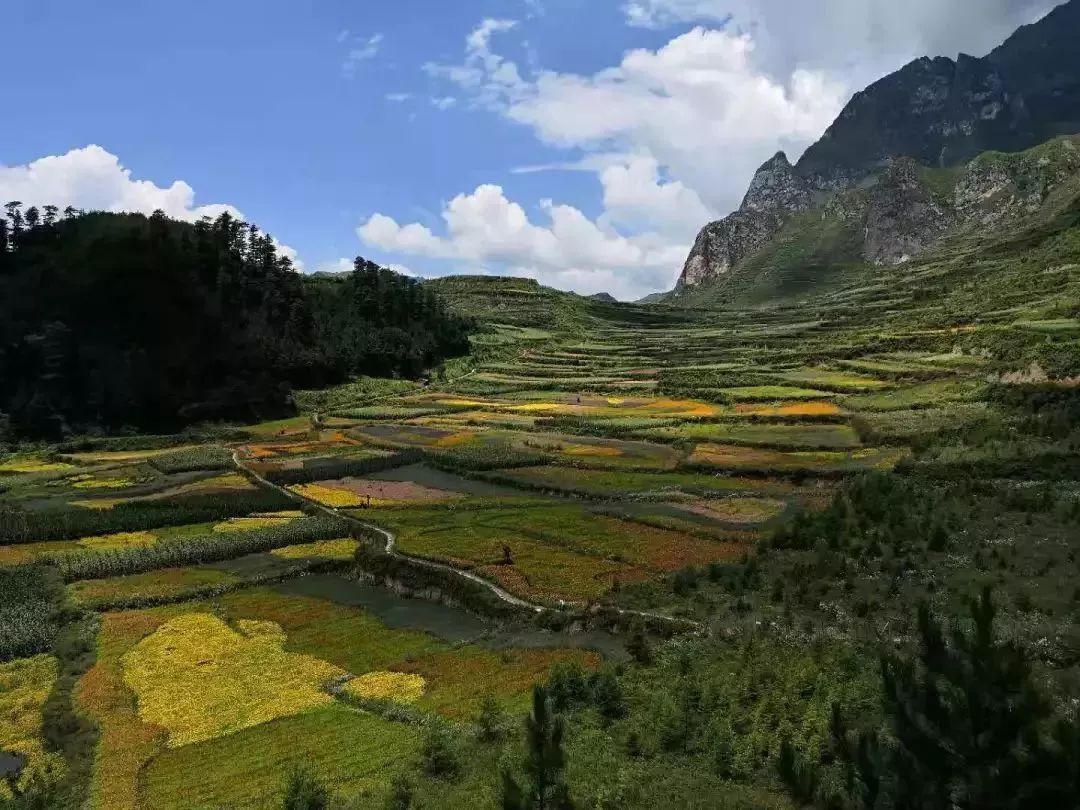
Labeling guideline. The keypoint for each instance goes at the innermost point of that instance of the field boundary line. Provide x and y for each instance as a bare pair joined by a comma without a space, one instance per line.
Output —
391,549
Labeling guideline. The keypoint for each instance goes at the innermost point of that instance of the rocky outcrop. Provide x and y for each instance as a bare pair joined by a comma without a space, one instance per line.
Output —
775,194
902,216
937,113
996,188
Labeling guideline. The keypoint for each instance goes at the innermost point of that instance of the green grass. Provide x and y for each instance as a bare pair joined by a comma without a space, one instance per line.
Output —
357,754
923,395
1053,326
622,484
809,436
769,393
559,551
833,380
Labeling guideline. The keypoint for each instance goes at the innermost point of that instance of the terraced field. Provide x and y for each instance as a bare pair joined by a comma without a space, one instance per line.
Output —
578,468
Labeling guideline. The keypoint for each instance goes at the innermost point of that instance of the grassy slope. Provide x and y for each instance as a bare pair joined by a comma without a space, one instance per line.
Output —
816,252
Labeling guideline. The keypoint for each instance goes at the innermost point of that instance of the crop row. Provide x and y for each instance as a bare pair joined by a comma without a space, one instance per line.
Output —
194,550
20,526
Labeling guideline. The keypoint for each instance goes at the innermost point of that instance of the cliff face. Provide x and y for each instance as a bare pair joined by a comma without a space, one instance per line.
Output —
775,194
936,111
932,113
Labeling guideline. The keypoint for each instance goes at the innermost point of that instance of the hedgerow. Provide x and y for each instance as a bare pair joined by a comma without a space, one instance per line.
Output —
213,457
344,468
21,526
195,550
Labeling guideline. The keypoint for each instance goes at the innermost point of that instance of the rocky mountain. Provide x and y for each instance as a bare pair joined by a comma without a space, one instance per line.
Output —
932,113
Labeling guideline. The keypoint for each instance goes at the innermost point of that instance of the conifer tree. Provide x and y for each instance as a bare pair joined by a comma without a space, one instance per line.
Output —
545,787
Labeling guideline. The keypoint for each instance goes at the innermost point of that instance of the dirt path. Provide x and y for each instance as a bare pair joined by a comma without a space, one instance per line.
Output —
391,548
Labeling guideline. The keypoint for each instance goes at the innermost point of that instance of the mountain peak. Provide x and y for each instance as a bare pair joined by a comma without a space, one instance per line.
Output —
934,111
776,187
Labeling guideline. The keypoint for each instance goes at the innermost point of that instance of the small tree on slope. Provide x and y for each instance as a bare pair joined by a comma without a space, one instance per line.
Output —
545,787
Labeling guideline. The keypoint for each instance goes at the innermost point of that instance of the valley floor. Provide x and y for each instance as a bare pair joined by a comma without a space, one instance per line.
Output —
189,617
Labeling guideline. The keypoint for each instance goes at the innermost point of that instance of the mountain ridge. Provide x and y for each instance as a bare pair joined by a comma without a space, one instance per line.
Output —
935,113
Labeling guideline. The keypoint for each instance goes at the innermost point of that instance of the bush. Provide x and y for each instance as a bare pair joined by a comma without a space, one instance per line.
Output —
440,756
417,577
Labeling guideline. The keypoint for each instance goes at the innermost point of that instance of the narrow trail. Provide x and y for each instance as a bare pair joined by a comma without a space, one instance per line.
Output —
391,549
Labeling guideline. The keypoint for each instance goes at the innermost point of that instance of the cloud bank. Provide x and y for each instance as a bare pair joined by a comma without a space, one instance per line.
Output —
93,179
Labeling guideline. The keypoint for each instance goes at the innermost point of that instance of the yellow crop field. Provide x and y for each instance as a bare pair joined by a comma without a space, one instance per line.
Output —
100,504
342,549
262,520
87,482
329,496
33,465
790,409
199,678
400,687
120,540
24,687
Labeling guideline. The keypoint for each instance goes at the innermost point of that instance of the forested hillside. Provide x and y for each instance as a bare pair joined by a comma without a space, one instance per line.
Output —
114,320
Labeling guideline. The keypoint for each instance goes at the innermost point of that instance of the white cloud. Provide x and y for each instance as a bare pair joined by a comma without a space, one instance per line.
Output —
673,136
635,197
443,102
485,228
360,50
699,106
675,133
93,179
864,37
404,271
341,265
485,74
398,98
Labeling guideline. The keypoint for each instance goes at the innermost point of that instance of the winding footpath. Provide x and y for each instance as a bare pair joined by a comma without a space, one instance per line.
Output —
391,549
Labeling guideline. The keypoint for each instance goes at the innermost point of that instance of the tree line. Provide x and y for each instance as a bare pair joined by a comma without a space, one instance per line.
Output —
122,320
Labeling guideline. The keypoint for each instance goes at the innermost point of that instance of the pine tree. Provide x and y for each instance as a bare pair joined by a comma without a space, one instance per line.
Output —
969,729
546,787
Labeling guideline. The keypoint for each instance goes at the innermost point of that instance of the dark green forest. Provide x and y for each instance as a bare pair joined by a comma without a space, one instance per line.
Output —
111,321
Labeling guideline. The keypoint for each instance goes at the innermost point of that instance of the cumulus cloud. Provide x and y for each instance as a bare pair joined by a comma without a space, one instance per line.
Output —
673,136
635,197
858,35
93,179
489,77
700,106
485,227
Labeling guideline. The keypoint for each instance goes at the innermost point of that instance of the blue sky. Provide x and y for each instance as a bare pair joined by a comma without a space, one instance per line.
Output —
581,142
